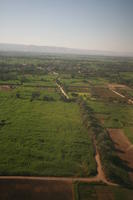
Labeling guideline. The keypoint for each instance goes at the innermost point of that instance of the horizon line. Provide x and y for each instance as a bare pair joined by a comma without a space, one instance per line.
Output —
73,48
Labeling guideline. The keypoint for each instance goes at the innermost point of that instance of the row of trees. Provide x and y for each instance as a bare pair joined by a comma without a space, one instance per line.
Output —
37,96
115,168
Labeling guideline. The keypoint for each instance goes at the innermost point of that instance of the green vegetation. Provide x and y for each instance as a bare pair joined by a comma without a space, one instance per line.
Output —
35,92
113,166
114,115
44,133
43,138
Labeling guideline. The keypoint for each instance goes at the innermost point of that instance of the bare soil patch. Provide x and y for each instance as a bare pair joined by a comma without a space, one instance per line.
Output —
104,193
103,93
35,189
124,146
5,87
115,86
83,89
121,91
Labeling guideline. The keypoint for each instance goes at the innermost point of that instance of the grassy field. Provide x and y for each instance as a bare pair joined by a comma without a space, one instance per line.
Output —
43,138
43,133
98,81
32,80
75,82
114,115
28,92
40,80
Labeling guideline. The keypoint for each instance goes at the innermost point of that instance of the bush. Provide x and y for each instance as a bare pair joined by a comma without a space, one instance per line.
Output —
17,95
48,98
35,95
115,168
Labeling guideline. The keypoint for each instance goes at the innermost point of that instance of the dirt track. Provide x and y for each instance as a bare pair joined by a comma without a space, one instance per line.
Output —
49,188
130,101
112,87
62,91
118,94
29,187
99,177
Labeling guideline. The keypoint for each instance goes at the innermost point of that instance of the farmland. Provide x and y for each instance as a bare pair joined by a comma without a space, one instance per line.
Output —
101,192
29,189
43,138
57,114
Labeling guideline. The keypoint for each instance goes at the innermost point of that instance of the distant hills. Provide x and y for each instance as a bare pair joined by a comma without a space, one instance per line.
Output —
5,47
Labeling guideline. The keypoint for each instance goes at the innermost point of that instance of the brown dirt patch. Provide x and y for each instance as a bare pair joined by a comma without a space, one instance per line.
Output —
103,93
83,89
124,146
104,193
114,86
35,189
5,87
95,192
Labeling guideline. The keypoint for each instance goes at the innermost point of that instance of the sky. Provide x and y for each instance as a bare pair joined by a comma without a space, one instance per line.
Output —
85,24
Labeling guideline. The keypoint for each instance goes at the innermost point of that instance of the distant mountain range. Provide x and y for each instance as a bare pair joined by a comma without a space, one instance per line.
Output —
5,47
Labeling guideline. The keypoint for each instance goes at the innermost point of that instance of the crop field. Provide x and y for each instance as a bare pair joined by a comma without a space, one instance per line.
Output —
75,82
105,94
40,93
42,137
69,118
46,80
37,189
114,116
101,192
32,80
98,81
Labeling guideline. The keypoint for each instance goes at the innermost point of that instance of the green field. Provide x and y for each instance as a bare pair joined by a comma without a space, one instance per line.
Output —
114,115
44,133
43,138
79,81
28,92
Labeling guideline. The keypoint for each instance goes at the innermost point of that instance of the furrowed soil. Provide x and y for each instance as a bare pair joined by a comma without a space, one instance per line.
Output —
124,147
103,192
35,189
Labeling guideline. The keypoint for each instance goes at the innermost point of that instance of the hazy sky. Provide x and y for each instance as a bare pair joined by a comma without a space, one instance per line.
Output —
87,24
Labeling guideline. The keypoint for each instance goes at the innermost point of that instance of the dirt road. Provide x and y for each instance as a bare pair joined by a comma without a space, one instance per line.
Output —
62,91
118,94
99,177
130,101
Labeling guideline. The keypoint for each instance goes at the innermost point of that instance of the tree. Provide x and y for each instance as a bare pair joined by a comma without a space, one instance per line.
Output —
35,95
17,94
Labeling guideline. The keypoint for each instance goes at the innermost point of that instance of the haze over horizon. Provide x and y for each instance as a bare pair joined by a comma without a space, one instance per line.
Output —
82,24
